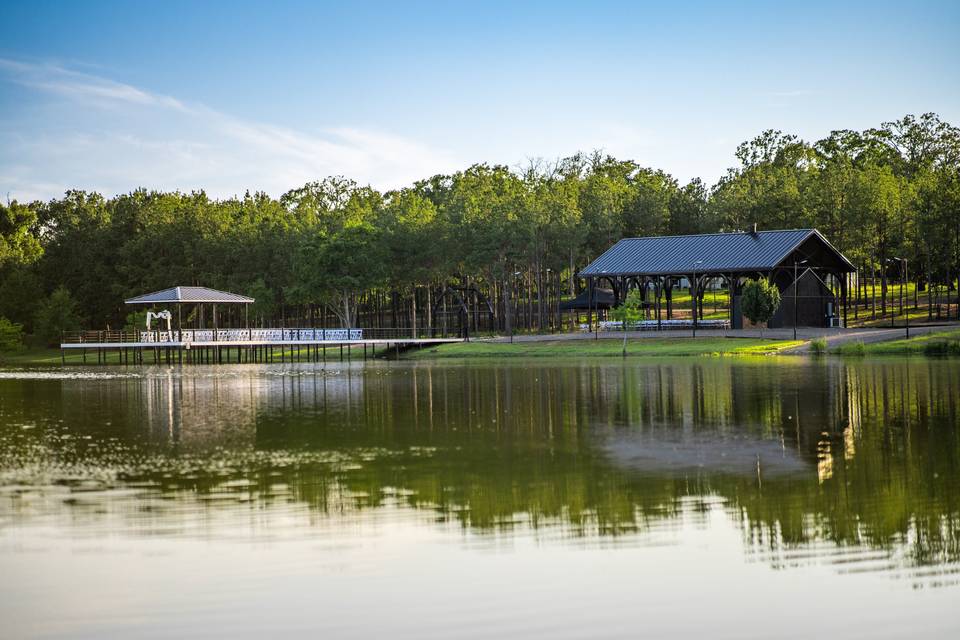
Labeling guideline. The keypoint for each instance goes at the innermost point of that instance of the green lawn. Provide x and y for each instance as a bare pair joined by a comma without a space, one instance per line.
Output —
940,343
37,356
605,347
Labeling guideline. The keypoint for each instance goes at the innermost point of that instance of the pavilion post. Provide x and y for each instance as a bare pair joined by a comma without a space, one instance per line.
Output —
596,307
693,299
590,304
658,290
668,293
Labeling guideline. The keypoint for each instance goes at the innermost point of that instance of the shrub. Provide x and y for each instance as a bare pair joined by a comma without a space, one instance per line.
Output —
760,301
818,346
942,348
11,335
56,313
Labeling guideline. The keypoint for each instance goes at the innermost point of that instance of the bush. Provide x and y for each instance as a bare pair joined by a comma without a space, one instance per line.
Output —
11,335
818,346
56,314
760,301
942,348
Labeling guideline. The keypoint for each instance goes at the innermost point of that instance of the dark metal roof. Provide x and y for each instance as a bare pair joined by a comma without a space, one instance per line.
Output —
602,299
716,253
189,294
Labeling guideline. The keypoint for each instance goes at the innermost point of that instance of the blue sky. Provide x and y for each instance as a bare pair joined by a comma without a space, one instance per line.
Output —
231,96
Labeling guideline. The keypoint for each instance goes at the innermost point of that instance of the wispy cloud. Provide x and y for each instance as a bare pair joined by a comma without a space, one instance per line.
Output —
81,86
114,137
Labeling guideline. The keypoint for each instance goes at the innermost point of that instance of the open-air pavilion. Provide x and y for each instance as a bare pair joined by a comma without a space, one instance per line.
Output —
201,301
655,265
212,326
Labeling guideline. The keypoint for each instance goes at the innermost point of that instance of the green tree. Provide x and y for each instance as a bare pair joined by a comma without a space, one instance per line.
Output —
11,335
18,237
760,301
629,312
56,314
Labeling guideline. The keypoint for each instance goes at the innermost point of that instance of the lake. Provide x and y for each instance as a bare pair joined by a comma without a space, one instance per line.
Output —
685,498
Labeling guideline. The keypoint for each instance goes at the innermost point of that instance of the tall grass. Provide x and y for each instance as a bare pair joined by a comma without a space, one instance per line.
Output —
818,346
852,349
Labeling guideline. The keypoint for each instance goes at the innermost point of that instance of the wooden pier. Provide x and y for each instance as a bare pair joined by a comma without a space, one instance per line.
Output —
225,346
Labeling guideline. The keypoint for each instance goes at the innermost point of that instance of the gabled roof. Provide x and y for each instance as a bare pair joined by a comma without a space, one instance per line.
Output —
189,294
716,253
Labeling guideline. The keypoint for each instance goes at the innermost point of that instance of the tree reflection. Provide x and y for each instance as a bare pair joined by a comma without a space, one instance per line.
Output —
798,453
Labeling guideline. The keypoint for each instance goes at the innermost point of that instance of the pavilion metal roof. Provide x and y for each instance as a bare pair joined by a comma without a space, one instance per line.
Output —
189,295
716,253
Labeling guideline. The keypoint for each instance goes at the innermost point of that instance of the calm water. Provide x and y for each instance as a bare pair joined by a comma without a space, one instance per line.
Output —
686,498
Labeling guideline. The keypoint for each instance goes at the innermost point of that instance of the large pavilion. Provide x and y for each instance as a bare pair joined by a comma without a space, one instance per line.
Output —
658,264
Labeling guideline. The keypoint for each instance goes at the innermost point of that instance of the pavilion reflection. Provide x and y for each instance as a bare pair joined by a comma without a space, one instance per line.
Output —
799,454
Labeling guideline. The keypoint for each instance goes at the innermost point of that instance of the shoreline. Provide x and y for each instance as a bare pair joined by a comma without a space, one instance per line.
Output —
924,342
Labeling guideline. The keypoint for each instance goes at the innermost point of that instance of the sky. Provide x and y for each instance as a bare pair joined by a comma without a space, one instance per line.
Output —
238,96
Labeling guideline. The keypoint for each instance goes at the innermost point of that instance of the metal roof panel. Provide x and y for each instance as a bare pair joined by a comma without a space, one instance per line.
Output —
715,252
189,294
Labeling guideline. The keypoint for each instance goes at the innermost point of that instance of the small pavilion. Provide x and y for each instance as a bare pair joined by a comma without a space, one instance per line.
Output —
802,256
201,299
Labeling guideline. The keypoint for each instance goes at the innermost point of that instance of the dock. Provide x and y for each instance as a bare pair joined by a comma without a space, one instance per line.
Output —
222,346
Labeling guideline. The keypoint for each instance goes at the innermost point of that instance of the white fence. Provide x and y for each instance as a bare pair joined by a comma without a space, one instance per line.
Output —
253,335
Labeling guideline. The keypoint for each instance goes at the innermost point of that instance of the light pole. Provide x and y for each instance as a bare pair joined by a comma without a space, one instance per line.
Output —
694,292
795,287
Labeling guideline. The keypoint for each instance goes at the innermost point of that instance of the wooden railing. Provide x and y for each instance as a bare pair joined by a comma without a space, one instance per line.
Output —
253,335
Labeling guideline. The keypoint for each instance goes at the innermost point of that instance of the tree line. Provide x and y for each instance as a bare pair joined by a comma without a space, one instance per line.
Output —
335,252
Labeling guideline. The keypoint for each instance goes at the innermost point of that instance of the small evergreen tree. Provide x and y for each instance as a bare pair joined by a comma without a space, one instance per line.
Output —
761,299
56,313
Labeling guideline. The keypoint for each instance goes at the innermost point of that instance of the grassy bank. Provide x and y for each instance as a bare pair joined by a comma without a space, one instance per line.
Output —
605,347
36,356
933,344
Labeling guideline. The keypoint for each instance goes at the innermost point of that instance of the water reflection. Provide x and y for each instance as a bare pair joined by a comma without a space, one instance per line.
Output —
853,464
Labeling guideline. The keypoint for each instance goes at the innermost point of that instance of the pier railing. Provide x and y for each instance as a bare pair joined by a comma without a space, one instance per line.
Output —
255,335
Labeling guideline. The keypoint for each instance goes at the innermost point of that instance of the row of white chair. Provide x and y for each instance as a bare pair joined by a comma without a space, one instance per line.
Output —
238,335
641,325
